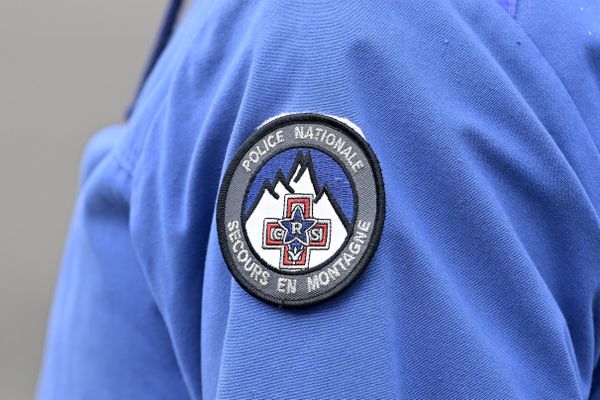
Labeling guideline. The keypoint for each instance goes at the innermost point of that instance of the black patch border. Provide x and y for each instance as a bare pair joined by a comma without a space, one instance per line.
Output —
260,132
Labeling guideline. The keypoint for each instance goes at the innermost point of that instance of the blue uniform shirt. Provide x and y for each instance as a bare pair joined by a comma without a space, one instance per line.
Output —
485,282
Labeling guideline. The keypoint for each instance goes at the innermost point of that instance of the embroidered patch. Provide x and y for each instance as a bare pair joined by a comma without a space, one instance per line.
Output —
301,209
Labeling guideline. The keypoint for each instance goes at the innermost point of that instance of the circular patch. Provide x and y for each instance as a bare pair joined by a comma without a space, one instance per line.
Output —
301,209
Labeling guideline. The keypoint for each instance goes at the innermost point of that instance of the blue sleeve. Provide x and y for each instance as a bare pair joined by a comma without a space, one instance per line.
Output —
485,282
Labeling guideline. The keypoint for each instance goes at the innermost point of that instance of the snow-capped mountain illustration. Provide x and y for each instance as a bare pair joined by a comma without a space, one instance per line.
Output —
271,204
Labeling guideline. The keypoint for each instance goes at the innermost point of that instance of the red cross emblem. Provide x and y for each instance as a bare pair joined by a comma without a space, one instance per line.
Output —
297,233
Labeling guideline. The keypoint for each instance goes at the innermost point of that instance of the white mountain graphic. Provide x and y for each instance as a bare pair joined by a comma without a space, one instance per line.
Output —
270,204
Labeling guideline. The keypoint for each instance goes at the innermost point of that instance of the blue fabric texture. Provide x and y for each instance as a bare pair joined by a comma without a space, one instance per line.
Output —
509,5
485,284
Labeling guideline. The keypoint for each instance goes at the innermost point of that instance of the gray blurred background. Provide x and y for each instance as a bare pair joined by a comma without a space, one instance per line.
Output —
67,68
